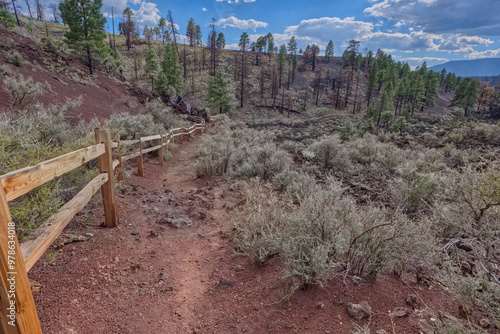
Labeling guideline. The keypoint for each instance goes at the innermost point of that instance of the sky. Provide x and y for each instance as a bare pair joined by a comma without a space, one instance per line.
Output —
413,31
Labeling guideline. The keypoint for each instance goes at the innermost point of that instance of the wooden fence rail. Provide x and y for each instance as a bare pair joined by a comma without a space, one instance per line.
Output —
18,313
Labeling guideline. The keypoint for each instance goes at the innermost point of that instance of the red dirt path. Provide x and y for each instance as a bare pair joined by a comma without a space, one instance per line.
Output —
148,277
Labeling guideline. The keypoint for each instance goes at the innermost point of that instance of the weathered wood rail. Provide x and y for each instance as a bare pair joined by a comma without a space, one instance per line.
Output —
16,259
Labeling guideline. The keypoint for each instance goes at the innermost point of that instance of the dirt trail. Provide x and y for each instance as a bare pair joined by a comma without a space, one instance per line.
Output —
145,276
148,276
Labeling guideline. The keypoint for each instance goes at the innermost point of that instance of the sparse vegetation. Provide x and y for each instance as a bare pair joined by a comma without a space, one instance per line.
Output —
343,174
408,204
15,58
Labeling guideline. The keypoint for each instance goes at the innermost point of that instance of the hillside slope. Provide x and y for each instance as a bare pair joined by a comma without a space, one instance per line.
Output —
68,77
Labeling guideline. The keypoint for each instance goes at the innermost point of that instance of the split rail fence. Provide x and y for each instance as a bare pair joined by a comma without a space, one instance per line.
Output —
16,259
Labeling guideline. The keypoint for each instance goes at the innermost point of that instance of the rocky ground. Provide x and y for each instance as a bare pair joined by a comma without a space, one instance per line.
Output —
170,267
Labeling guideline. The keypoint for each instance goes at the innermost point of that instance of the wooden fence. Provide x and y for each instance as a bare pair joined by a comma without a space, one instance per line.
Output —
18,313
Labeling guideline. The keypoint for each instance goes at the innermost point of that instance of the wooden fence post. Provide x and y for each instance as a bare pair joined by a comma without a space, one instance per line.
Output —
160,151
23,318
116,138
187,134
108,189
140,161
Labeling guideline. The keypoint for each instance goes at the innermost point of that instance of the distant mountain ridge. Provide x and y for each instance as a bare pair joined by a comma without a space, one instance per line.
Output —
471,68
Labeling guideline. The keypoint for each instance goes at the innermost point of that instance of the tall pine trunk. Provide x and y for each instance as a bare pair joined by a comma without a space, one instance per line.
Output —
242,76
89,57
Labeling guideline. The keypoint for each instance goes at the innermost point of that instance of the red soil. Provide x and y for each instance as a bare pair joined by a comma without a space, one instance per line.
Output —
146,276
102,98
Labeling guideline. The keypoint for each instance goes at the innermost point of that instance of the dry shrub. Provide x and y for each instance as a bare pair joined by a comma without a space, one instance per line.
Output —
24,92
128,125
329,154
15,58
231,147
490,131
163,115
468,215
264,161
444,323
216,153
322,234
411,190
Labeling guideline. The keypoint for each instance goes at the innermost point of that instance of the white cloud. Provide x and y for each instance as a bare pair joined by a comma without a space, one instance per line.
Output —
233,46
422,59
340,31
461,43
241,24
147,13
334,28
204,9
478,17
485,54
400,41
236,1
418,61
118,6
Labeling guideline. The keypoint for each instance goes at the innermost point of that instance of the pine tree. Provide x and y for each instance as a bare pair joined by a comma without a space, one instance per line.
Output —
292,46
329,52
417,90
191,32
212,44
470,97
351,60
460,91
6,19
86,25
385,103
199,36
162,25
153,66
431,85
244,43
260,45
295,63
156,33
449,82
372,82
220,92
170,78
127,27
147,33
442,77
173,29
281,62
15,11
270,45
221,41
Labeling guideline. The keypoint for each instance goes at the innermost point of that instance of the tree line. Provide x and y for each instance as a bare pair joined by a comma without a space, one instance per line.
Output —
369,81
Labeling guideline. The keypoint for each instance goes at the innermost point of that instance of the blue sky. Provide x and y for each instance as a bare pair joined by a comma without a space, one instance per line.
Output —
411,30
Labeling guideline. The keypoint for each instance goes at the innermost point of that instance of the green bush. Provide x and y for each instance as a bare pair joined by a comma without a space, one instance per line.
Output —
36,207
